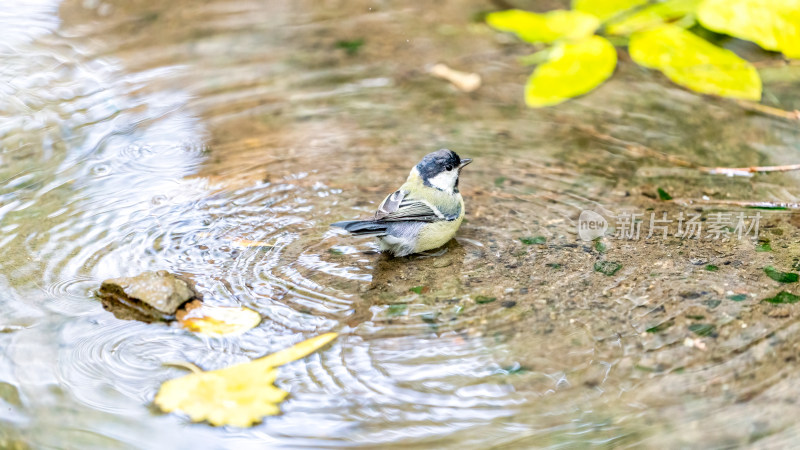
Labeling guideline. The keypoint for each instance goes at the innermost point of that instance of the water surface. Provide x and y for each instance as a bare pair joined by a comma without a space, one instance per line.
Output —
141,136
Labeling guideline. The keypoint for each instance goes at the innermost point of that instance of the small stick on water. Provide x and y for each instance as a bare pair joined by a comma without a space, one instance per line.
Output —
746,171
739,203
769,110
466,82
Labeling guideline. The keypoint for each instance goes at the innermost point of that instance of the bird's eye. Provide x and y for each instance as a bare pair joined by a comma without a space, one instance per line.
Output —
448,168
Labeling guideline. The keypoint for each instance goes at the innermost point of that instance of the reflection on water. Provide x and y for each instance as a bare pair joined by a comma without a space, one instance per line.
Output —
141,136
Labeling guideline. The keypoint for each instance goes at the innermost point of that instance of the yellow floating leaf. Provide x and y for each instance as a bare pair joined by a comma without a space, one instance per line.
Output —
240,395
605,9
544,28
573,69
653,16
695,63
216,320
774,24
233,396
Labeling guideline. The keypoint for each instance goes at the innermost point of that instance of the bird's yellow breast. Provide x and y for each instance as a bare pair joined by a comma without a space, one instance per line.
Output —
436,234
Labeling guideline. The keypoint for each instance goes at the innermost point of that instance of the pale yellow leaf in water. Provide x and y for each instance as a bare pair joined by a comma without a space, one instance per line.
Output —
605,9
652,16
544,28
695,63
774,24
573,69
240,395
217,320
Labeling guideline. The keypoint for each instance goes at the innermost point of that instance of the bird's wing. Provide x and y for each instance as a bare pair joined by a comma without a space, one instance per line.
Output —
398,207
391,203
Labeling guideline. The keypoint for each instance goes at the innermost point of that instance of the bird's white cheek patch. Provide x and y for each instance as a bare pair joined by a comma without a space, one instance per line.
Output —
445,181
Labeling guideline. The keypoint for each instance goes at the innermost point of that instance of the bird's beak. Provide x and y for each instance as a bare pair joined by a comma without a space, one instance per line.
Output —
464,162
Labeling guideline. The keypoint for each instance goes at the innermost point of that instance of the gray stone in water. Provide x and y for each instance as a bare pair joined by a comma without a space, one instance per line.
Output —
150,296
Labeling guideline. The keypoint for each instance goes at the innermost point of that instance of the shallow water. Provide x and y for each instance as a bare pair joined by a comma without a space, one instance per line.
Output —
138,136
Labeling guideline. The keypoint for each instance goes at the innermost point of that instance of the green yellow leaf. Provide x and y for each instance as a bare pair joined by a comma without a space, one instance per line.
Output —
653,16
695,63
216,320
544,28
574,68
605,9
774,24
239,395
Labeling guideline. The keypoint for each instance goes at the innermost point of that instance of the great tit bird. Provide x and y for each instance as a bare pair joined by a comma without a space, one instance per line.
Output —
424,213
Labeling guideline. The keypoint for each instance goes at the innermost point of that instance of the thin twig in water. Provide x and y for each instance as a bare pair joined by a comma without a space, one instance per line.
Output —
740,203
747,171
769,110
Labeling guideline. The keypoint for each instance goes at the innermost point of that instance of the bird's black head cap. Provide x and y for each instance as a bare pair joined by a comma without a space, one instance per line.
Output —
437,162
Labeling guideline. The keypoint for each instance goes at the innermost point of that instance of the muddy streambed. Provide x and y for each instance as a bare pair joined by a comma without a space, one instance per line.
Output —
138,135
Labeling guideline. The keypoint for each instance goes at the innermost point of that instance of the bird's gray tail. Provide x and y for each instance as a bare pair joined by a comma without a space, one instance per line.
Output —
362,227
